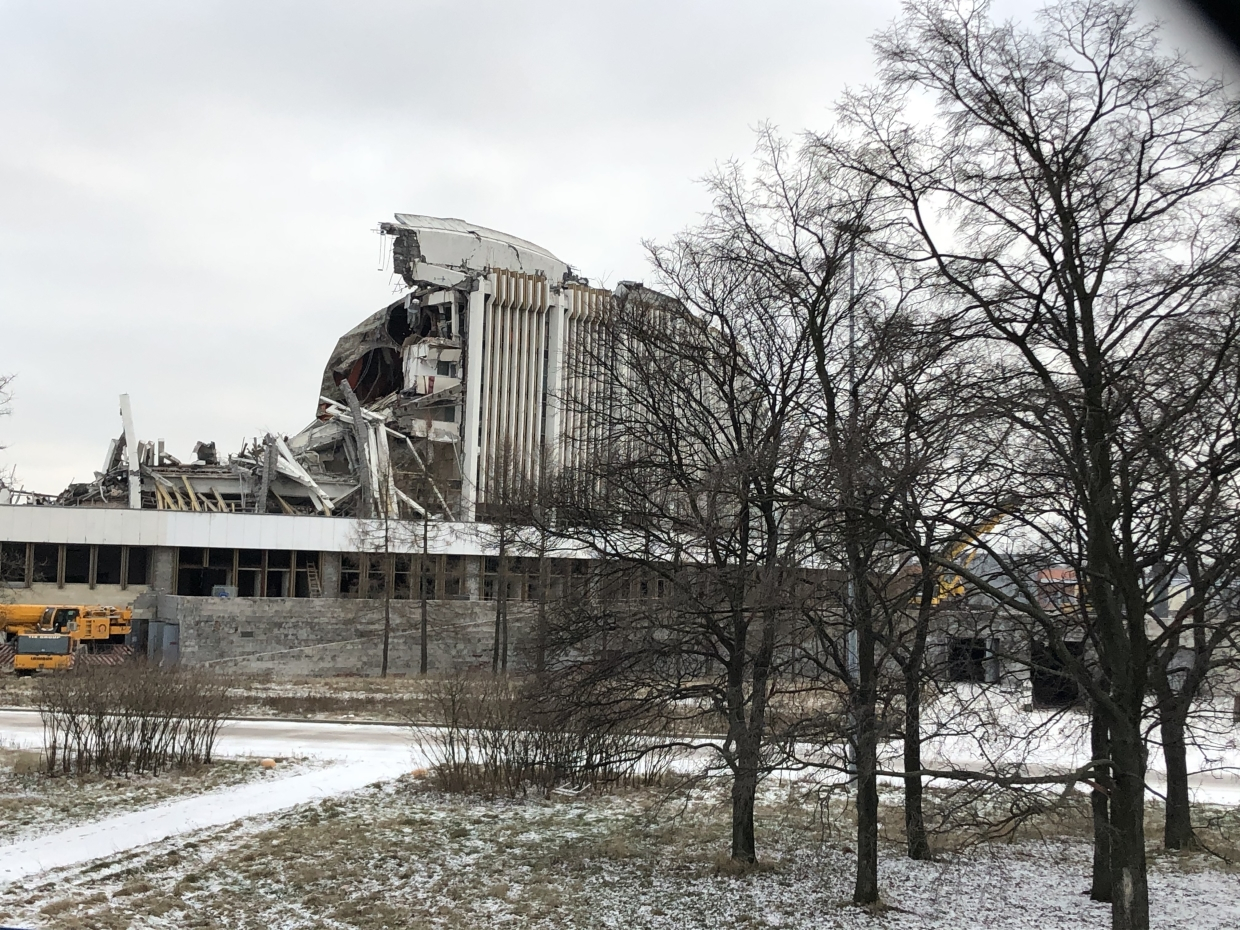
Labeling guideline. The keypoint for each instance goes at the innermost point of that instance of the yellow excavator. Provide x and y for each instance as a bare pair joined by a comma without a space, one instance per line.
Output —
950,584
50,637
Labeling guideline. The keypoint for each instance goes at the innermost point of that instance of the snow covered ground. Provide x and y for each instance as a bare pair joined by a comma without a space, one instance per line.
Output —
110,835
354,755
981,727
401,855
350,843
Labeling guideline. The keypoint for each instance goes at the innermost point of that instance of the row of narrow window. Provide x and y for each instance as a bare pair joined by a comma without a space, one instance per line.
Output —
25,564
203,572
287,573
206,572
247,573
458,577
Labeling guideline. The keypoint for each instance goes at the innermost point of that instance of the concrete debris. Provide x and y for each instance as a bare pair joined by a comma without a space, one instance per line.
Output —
389,437
205,453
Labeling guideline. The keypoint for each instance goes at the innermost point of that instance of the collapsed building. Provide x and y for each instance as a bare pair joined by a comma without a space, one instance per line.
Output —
417,400
418,404
265,559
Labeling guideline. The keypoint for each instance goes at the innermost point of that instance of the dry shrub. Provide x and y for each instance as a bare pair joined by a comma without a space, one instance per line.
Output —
26,763
958,816
130,719
498,735
1216,831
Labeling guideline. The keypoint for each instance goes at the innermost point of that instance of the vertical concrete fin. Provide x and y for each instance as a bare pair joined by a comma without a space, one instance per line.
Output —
475,384
132,460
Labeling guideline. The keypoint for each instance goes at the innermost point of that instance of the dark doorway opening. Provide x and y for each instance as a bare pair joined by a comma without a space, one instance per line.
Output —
108,565
1052,685
198,582
966,659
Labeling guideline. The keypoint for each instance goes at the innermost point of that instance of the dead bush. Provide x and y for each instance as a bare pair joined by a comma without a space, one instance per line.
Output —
498,735
130,719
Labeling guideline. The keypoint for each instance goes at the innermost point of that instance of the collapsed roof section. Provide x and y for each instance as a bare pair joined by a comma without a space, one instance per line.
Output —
429,250
265,476
416,401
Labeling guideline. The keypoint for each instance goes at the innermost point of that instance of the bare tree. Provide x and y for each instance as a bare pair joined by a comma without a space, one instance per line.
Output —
1195,513
798,232
892,462
1075,191
678,492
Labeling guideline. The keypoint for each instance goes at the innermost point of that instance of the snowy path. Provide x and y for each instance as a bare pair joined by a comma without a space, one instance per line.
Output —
319,738
358,755
361,754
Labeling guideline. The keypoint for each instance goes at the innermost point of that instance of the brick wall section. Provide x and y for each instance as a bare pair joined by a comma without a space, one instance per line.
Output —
329,636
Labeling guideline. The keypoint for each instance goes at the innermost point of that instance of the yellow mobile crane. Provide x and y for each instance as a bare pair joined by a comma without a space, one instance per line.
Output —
51,636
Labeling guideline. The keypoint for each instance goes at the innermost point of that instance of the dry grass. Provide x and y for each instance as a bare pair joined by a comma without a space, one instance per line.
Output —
405,855
16,691
340,862
390,700
31,801
393,700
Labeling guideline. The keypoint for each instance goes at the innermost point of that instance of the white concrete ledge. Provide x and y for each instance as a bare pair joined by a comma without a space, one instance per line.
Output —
103,526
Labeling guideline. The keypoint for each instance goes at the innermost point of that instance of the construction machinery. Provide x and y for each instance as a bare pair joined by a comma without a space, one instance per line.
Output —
951,584
51,637
15,618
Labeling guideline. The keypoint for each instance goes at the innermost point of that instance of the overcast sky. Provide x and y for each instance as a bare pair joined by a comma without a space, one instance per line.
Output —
188,190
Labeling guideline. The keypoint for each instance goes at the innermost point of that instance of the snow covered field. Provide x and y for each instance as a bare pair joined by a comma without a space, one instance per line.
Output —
402,855
33,805
352,841
344,757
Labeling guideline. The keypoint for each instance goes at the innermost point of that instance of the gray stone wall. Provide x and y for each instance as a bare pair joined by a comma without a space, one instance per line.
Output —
163,568
329,565
331,636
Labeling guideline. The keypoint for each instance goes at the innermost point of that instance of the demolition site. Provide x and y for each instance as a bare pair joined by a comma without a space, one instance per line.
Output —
266,559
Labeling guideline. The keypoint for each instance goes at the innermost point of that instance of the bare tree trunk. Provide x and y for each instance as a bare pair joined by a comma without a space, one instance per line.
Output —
423,657
1178,828
503,629
387,611
744,796
423,643
1099,802
544,582
914,812
1130,906
917,842
499,650
865,891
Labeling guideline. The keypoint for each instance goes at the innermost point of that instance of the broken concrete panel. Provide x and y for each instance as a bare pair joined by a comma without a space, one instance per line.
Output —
469,362
459,245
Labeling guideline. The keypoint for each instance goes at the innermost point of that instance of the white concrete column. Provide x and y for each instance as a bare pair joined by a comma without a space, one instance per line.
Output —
556,308
133,465
474,384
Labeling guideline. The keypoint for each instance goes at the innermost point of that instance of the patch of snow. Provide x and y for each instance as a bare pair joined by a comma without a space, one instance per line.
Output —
362,754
